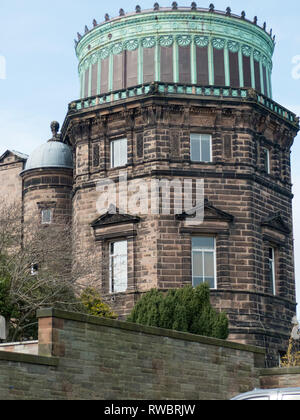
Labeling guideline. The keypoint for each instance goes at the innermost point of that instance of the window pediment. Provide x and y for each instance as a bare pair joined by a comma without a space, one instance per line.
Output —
211,213
276,223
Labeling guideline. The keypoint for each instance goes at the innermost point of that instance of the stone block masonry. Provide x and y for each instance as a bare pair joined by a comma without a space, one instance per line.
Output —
83,357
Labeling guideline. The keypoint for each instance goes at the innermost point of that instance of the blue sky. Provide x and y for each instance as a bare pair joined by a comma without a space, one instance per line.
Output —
37,41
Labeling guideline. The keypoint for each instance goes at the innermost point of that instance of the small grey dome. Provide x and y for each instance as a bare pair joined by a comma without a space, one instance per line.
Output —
53,154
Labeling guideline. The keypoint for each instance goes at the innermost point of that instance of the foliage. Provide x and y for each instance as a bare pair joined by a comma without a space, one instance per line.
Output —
292,357
187,309
93,304
23,292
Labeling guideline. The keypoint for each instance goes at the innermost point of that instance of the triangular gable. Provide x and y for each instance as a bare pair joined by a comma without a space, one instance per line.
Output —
112,217
210,213
20,156
276,222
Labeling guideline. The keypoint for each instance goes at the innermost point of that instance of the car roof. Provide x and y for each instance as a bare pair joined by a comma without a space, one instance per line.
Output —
261,392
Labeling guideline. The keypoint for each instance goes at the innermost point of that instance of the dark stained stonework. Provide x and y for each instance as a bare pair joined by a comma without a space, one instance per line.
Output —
247,209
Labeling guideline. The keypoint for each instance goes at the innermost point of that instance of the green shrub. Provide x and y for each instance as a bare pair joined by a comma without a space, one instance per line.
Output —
187,309
93,304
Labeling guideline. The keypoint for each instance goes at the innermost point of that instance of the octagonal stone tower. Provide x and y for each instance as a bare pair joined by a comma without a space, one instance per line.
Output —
185,94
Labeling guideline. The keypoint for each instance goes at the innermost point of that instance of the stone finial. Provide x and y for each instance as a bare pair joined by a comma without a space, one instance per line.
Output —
194,6
243,14
138,9
106,17
156,6
54,126
264,26
75,42
86,29
211,7
255,20
121,12
95,23
271,32
274,38
79,36
174,5
228,11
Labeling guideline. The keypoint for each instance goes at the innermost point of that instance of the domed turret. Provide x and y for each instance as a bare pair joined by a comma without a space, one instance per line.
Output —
48,181
53,154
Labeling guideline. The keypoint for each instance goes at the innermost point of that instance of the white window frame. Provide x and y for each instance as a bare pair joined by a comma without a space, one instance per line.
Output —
48,220
272,267
193,138
203,250
116,160
114,287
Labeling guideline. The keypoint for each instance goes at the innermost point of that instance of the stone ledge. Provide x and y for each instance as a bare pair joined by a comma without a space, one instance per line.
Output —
280,371
79,317
28,358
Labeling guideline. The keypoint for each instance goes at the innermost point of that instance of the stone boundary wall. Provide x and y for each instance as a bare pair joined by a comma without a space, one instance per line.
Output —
280,378
83,357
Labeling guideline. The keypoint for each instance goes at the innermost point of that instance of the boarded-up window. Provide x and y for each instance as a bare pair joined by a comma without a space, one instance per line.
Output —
257,76
94,79
247,71
227,146
219,67
104,75
86,83
202,66
234,69
131,66
184,54
166,64
118,82
148,66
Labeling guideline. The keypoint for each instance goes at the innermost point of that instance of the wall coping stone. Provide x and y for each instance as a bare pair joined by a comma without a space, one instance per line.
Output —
28,358
79,317
280,371
18,343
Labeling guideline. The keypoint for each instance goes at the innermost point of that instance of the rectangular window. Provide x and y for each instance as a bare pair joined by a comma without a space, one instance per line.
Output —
118,75
166,64
131,68
118,269
266,160
94,79
118,153
86,83
204,261
265,80
234,69
219,67
202,66
184,64
247,71
271,268
257,76
148,65
104,75
46,216
201,148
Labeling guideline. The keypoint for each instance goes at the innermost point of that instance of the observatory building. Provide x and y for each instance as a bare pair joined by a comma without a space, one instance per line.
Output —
180,96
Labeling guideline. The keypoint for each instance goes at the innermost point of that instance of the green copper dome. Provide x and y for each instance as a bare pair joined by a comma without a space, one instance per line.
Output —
189,46
53,154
